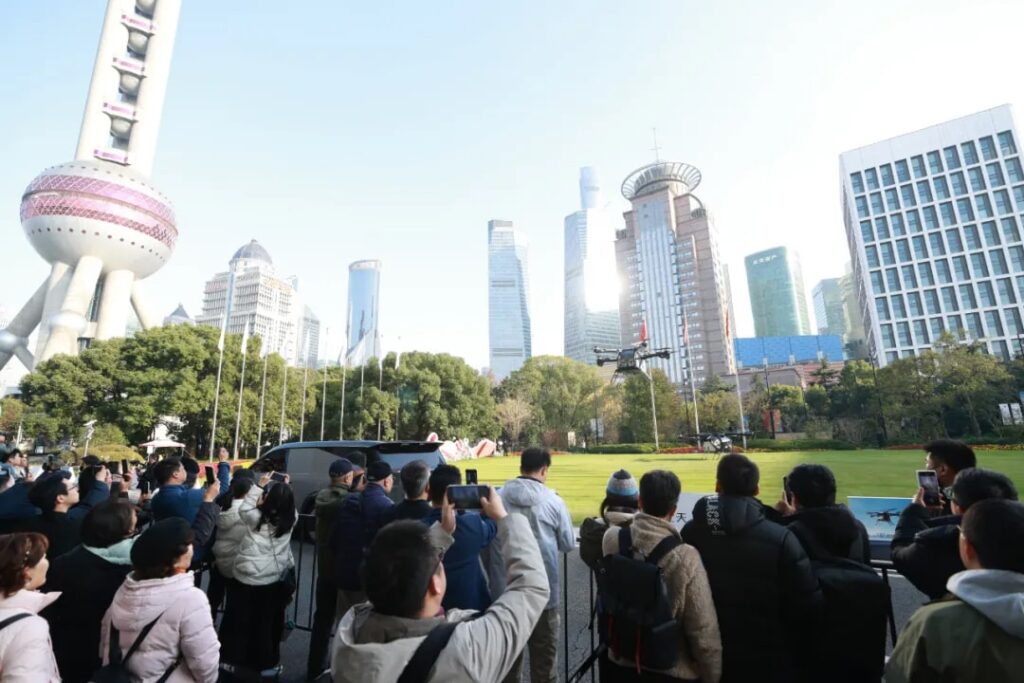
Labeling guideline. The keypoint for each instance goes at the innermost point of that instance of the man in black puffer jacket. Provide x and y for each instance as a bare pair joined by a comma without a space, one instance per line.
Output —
926,549
766,595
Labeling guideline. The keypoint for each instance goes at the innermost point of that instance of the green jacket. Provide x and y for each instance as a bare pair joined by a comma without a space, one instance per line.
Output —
328,501
973,635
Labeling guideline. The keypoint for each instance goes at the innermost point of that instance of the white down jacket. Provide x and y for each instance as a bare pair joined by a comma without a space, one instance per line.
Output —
262,557
26,653
230,532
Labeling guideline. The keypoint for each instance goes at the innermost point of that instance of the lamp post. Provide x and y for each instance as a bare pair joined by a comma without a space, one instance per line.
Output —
768,389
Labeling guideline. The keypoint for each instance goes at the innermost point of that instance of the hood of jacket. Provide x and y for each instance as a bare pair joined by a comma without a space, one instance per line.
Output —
617,517
727,515
834,527
524,492
119,553
139,602
29,601
997,594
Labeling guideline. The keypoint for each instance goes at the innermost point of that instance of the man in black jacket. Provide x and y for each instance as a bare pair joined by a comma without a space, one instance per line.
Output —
925,548
766,595
54,495
822,526
414,477
947,458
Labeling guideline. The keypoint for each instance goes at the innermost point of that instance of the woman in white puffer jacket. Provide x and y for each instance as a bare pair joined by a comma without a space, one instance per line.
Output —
263,572
26,653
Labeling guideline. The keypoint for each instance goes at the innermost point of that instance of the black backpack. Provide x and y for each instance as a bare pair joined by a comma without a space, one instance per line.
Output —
115,671
635,616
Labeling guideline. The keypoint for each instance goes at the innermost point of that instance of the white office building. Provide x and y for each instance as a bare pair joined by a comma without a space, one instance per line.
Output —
933,223
591,283
508,299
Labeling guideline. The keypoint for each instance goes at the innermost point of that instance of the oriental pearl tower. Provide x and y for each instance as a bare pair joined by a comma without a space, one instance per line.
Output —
98,220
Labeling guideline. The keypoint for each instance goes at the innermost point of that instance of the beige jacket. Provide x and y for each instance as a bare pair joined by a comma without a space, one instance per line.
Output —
700,647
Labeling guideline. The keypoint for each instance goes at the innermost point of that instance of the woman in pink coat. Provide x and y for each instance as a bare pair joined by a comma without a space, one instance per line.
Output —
26,654
161,591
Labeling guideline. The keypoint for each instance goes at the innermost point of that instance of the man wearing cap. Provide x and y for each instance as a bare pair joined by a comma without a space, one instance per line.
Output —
357,522
328,501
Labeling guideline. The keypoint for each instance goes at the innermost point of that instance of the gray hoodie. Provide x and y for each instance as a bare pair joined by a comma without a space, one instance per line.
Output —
551,525
375,647
997,594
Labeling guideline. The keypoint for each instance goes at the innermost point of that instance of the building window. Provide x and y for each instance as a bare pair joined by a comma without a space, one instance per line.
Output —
956,326
935,239
903,249
1018,195
998,262
967,297
949,299
934,162
971,235
953,240
914,302
917,163
995,175
931,300
937,325
872,178
921,332
978,265
942,271
899,310
871,254
896,221
862,207
977,180
882,228
882,308
876,203
886,171
1013,321
985,294
1013,170
948,216
960,268
931,219
892,200
920,250
1006,145
984,206
1003,206
970,153
959,186
1017,259
888,258
965,209
909,279
924,191
877,285
988,229
988,148
914,220
924,270
908,195
974,326
857,183
866,233
902,171
892,278
941,187
1006,295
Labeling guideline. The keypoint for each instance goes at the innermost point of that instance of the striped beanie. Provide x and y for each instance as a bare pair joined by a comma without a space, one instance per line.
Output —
623,484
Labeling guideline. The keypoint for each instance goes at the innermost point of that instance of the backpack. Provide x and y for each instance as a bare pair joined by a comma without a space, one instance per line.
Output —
591,537
636,620
114,671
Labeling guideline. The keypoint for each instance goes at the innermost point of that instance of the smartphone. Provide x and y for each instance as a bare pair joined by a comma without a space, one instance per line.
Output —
929,481
209,474
471,477
144,487
786,493
466,497
277,476
124,467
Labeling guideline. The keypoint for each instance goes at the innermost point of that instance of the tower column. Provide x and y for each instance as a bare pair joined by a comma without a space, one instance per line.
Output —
56,290
143,310
14,338
66,326
113,317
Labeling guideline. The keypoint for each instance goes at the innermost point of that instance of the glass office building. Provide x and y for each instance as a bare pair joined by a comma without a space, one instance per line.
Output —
752,352
777,297
508,299
933,224
363,333
829,313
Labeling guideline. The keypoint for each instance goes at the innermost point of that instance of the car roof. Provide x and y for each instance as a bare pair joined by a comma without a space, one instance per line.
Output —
425,445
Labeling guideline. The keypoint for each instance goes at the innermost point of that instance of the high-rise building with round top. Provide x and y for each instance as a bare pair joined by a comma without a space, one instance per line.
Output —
98,220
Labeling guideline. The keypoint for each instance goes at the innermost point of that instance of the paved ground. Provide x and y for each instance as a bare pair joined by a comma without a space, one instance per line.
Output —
905,600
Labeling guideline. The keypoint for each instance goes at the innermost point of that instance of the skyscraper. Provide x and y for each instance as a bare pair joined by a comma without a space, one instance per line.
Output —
511,340
591,315
252,294
668,262
362,331
829,312
932,223
97,220
309,339
777,297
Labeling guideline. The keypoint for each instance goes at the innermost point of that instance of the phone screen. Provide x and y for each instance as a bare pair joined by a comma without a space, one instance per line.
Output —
144,486
929,481
785,489
209,474
471,477
124,467
466,497
276,476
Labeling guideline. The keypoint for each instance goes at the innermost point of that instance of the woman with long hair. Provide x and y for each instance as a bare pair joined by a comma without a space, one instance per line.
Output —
230,533
159,615
26,653
264,580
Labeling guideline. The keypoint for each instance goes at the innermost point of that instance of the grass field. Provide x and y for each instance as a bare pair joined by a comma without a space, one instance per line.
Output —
581,479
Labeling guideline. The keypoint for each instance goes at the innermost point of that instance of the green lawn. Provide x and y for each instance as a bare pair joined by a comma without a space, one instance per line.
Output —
581,479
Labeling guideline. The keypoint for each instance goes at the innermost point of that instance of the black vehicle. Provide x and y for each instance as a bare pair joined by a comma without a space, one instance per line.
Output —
307,462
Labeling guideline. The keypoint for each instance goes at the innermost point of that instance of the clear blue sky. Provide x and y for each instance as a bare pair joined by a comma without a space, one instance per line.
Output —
336,131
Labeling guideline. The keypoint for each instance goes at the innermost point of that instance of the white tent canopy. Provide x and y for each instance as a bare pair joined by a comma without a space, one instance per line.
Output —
161,443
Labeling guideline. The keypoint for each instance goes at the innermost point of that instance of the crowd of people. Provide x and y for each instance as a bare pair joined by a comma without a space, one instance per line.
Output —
421,591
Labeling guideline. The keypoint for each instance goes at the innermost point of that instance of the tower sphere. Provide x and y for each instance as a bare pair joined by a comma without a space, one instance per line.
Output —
83,208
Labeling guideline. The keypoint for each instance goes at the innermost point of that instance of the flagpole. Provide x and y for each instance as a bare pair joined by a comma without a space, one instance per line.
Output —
263,396
323,406
216,391
380,387
284,397
341,417
241,390
362,376
398,397
736,374
302,419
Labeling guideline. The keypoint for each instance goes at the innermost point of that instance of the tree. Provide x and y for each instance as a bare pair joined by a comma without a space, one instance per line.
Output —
636,408
513,414
561,392
719,411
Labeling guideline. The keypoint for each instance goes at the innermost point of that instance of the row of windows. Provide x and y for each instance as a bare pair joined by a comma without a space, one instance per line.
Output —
976,325
933,244
997,348
899,306
887,175
927,274
965,208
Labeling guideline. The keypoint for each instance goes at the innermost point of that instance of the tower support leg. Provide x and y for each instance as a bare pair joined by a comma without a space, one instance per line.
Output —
14,338
143,310
68,325
114,303
56,290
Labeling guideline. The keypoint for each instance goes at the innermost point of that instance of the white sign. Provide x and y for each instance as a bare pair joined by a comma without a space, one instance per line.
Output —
1004,412
1018,417
684,508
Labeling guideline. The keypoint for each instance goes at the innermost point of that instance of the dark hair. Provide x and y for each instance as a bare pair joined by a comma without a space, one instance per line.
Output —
629,503
532,459
108,523
996,530
975,484
398,568
191,465
92,461
737,475
19,552
441,478
956,454
165,469
7,455
158,548
278,509
659,492
414,478
47,489
87,479
238,487
813,485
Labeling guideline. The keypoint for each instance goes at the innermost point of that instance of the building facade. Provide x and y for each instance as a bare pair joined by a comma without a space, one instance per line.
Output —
252,294
309,339
829,312
362,326
671,274
761,351
508,315
591,313
777,296
933,224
